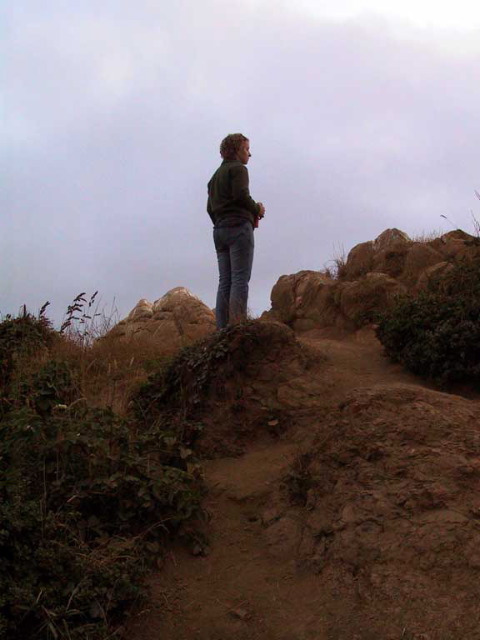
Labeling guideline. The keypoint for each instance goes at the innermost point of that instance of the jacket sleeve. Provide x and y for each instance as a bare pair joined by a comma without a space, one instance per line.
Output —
209,205
240,190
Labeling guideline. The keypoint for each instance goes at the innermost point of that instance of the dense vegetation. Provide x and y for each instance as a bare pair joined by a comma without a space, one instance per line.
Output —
88,498
436,333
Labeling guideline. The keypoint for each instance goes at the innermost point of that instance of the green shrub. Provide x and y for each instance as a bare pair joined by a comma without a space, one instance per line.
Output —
436,334
21,337
185,381
87,502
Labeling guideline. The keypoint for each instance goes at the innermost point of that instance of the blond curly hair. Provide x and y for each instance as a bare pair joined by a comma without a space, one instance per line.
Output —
231,144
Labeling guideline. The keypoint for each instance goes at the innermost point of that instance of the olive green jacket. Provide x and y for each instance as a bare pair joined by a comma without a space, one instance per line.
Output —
229,201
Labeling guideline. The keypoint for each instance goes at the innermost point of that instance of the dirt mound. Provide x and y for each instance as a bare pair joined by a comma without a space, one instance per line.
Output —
234,385
389,514
360,520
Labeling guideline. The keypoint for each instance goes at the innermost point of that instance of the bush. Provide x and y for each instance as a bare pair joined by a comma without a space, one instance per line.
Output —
436,334
88,500
21,338
185,382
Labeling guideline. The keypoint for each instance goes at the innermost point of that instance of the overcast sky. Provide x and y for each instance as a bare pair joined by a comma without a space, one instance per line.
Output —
361,116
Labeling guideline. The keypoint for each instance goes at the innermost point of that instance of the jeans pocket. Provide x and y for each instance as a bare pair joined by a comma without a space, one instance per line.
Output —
246,233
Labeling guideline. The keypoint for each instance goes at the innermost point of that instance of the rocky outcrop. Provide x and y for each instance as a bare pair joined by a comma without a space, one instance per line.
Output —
303,299
373,274
176,319
359,300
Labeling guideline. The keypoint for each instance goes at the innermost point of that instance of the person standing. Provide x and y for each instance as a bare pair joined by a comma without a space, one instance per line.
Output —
234,214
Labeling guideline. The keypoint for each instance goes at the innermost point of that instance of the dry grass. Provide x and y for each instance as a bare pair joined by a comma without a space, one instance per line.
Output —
335,267
424,237
86,320
110,368
475,224
107,368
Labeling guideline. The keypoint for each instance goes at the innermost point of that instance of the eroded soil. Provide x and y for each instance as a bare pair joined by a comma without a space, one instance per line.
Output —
359,519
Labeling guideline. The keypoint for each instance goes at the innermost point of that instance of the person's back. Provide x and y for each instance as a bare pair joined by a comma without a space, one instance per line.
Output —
229,201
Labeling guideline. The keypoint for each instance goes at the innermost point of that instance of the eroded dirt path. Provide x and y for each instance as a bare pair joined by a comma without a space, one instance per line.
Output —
249,586
237,590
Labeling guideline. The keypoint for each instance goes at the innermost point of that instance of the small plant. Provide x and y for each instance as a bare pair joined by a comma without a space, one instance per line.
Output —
298,481
475,221
84,322
22,338
425,237
184,382
335,268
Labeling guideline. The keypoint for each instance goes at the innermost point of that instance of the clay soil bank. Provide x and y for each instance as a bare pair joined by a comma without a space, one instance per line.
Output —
359,519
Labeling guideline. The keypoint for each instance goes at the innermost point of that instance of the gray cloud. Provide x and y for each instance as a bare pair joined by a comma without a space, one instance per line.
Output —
114,116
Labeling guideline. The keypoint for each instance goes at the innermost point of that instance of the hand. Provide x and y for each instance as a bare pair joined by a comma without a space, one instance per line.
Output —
261,211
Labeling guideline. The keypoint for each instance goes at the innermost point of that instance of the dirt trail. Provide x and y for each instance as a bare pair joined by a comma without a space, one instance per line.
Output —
236,591
250,585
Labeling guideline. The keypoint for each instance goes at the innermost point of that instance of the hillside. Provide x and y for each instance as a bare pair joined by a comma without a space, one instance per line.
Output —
350,512
279,479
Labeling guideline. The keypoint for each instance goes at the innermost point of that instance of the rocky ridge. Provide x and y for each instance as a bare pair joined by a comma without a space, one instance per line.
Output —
373,274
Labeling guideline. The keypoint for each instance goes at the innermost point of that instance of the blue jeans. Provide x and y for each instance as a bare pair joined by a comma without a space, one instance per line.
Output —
234,246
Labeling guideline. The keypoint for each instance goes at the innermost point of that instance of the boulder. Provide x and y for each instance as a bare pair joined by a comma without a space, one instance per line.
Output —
283,296
391,260
456,245
419,258
176,319
141,311
372,275
362,299
359,261
433,273
389,238
385,254
303,297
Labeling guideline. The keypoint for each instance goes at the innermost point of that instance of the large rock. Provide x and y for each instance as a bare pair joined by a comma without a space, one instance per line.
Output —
391,261
419,258
304,300
432,274
143,310
386,254
285,294
456,245
368,282
176,319
359,261
362,299
390,238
